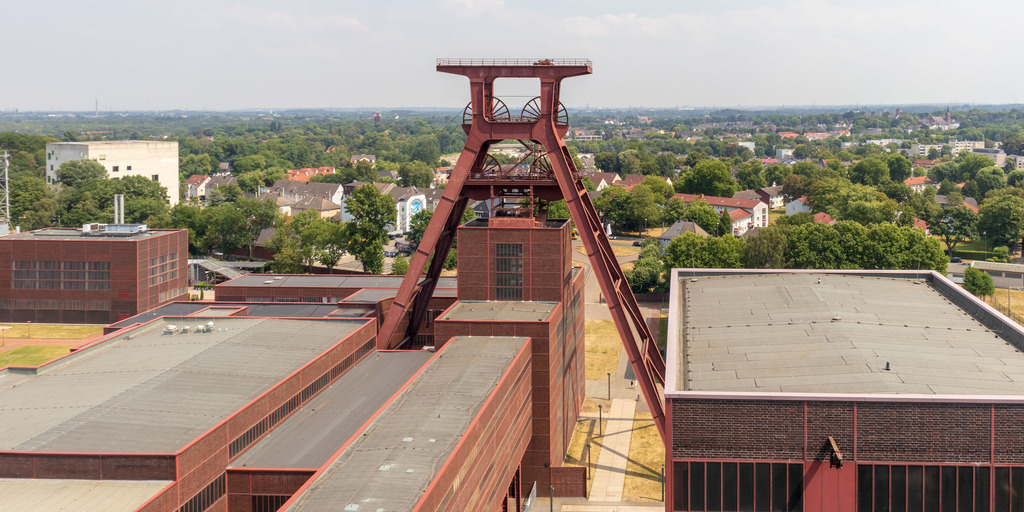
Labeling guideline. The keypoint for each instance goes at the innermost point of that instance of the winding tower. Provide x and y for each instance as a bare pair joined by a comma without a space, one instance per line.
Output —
544,174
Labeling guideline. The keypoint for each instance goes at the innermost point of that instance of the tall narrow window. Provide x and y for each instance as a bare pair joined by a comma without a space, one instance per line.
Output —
509,272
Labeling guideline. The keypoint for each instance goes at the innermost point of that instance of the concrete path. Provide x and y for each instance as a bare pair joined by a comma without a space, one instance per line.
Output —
610,473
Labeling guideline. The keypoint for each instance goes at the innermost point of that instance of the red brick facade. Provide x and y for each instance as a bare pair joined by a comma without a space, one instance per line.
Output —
68,277
557,344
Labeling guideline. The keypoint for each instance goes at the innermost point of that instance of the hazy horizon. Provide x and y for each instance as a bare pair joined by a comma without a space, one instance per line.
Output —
319,54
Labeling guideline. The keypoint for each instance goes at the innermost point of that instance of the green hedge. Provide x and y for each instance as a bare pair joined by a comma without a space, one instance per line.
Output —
973,255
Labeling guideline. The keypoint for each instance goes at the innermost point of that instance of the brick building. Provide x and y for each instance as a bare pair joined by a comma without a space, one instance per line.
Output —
99,274
850,391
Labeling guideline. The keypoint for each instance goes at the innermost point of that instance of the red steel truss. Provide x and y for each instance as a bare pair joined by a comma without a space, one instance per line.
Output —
547,172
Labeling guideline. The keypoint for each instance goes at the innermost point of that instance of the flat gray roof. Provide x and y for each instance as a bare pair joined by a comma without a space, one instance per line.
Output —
391,465
75,234
145,391
788,333
308,438
327,281
37,495
284,309
513,311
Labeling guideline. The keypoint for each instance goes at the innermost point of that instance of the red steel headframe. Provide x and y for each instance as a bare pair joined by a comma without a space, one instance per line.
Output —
487,121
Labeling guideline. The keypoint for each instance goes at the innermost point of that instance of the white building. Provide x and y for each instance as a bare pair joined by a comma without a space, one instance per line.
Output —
156,160
797,206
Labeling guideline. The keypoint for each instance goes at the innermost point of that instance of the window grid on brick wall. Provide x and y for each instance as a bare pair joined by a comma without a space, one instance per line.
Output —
737,487
509,272
60,275
206,497
930,488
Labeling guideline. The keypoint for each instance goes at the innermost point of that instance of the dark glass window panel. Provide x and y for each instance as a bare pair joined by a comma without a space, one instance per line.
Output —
915,488
948,489
898,488
746,487
1017,493
931,489
780,492
730,487
1002,497
796,487
762,487
881,488
865,483
714,486
965,489
697,486
680,480
981,482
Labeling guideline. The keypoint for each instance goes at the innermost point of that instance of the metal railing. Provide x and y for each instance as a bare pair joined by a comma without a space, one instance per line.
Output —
513,62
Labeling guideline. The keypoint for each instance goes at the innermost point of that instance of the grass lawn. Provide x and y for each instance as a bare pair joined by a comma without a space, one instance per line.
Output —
643,468
50,331
31,356
586,432
602,348
1016,299
775,214
617,250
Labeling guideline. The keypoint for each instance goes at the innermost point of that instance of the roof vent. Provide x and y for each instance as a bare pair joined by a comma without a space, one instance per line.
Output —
170,329
836,318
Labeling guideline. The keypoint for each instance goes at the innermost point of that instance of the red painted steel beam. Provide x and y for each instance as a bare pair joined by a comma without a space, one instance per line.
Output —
486,129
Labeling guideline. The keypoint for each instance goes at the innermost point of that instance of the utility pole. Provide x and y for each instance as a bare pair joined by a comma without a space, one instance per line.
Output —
5,195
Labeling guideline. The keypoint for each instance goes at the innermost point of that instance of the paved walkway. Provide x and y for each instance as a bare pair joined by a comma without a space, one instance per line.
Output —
610,473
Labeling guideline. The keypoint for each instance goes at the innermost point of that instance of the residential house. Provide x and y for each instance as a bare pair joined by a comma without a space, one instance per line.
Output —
788,135
824,218
442,175
219,180
969,202
387,175
307,172
326,208
602,179
922,225
797,205
195,186
918,183
772,196
283,204
631,180
783,153
370,159
1018,161
680,227
927,164
756,210
300,191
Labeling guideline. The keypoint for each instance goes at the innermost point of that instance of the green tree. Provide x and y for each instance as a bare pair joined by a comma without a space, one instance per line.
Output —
869,171
333,242
33,203
259,215
978,282
1001,219
899,167
988,179
768,248
415,174
704,215
196,164
645,276
750,176
76,173
372,212
691,250
399,266
710,177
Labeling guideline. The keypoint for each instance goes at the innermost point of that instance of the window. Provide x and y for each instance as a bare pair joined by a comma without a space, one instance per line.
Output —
156,178
115,168
909,488
127,167
509,272
61,275
737,487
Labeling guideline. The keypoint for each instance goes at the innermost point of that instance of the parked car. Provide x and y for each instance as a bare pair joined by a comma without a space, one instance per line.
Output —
955,259
638,243
390,254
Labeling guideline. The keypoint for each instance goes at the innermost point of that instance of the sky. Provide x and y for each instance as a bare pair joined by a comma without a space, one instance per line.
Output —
67,55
